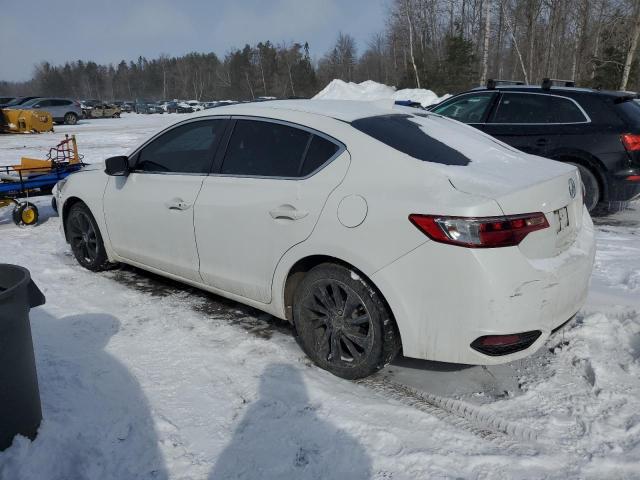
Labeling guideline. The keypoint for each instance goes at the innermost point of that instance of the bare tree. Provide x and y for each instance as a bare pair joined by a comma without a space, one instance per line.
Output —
633,44
485,46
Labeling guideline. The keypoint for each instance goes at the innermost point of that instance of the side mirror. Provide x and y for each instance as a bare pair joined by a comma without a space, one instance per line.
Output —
37,105
117,166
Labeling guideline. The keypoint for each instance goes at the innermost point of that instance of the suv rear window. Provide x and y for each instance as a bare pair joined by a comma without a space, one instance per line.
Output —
631,111
400,132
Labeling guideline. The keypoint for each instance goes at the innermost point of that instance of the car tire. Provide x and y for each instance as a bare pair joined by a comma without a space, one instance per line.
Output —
85,239
342,323
70,118
591,185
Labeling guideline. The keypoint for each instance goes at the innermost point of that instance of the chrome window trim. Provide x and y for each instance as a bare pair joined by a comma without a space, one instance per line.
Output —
166,130
341,148
586,116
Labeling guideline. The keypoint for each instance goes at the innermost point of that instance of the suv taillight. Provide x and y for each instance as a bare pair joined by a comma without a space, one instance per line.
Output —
631,142
486,232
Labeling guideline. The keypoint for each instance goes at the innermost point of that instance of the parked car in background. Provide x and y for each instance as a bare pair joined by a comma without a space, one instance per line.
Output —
63,110
178,107
17,101
5,100
145,106
103,110
367,227
196,105
597,131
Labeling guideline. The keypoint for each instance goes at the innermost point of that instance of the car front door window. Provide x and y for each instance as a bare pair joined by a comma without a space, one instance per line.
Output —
470,108
185,149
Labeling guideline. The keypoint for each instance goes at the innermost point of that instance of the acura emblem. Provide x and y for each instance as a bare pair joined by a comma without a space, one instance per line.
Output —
572,188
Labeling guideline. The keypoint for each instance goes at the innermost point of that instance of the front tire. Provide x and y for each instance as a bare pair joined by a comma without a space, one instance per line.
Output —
70,118
592,192
86,241
342,323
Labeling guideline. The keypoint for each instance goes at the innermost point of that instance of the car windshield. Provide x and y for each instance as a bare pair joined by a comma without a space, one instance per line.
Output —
31,103
406,133
17,101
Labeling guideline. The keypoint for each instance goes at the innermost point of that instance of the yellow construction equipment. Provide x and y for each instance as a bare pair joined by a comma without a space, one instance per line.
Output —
25,121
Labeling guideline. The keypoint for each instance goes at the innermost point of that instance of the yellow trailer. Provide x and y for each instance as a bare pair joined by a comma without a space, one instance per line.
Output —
25,121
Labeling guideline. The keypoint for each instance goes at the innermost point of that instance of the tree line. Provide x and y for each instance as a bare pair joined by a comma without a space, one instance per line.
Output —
444,45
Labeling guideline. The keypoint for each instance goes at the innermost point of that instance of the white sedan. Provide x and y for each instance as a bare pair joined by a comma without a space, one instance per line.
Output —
369,228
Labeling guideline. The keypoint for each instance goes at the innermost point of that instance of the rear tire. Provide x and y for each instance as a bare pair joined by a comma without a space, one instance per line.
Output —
70,118
592,194
342,323
85,239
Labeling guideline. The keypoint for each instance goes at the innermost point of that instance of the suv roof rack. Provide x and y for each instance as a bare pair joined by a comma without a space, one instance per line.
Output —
547,83
493,83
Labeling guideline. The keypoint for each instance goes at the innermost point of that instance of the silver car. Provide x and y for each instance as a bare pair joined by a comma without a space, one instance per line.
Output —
63,110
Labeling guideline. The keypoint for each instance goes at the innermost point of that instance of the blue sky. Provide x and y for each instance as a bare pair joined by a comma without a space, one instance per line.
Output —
110,30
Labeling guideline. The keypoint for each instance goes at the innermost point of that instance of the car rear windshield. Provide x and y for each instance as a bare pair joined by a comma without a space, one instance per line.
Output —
402,133
631,111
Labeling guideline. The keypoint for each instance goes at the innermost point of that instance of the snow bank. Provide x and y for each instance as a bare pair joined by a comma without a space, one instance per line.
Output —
370,90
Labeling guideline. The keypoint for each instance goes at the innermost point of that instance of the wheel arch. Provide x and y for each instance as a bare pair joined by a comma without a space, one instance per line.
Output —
64,211
588,161
302,266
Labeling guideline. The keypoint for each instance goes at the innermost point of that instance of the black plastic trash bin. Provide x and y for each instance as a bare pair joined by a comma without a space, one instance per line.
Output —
20,411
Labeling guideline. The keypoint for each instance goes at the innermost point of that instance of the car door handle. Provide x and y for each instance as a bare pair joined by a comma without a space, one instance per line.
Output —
177,204
288,212
541,142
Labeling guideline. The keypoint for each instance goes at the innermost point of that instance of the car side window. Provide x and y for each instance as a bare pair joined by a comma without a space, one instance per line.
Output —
319,152
470,108
43,103
188,148
524,108
266,149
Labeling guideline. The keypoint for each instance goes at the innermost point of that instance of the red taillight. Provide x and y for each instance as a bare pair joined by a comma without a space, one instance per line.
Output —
487,232
631,142
633,178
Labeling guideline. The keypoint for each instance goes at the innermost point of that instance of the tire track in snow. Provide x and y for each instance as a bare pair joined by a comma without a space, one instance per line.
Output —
511,436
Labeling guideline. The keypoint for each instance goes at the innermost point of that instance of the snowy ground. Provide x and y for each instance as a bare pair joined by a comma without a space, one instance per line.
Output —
144,378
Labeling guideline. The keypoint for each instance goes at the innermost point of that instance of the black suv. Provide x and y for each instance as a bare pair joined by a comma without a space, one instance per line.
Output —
597,131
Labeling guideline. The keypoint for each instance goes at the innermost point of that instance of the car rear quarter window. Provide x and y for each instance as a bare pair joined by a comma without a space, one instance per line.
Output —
265,149
319,152
528,108
188,148
398,131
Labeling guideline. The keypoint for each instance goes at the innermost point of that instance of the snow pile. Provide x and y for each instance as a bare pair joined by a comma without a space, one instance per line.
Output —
370,90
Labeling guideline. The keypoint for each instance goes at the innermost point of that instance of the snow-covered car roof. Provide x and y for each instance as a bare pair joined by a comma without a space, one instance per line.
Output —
345,110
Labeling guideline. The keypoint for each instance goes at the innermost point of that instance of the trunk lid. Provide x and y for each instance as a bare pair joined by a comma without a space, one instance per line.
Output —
520,183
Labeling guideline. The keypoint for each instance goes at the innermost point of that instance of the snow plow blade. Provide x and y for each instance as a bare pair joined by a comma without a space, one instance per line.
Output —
25,121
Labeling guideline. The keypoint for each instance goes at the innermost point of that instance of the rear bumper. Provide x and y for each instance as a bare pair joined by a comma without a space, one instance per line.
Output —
444,297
